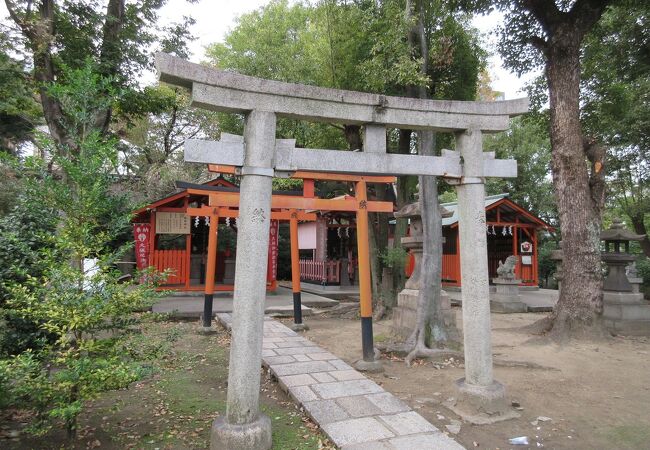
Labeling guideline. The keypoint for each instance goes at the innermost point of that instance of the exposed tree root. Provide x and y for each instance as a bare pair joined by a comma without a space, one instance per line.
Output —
421,351
419,348
380,312
521,364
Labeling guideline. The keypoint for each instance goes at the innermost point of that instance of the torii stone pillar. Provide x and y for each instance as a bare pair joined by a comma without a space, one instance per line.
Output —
480,398
244,427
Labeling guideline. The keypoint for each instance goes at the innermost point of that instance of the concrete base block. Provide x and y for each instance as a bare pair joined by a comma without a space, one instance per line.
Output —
405,314
628,327
623,298
504,306
206,330
251,436
481,405
299,327
368,366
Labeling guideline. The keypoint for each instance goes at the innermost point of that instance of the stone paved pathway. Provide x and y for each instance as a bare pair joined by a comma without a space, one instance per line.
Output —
355,412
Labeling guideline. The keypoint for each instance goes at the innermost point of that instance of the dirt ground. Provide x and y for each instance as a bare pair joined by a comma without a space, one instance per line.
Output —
173,409
597,395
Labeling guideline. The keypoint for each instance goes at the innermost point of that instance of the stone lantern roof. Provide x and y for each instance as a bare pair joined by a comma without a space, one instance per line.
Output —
413,210
618,232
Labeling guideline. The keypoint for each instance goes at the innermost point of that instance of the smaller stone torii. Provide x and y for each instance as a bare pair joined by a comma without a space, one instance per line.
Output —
261,157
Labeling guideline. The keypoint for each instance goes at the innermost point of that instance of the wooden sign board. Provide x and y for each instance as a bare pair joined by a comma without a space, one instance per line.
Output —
172,223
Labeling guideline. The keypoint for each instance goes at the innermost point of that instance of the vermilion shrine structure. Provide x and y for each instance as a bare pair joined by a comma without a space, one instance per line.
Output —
260,157
510,229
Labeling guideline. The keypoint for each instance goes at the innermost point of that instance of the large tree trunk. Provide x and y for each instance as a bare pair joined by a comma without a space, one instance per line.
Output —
579,193
639,228
405,188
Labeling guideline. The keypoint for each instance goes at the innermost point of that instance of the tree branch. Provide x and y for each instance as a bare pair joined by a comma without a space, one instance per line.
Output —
585,14
110,55
545,11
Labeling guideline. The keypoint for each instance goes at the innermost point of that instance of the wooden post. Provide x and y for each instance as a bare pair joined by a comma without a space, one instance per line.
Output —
152,238
535,262
365,291
295,272
188,247
515,243
210,268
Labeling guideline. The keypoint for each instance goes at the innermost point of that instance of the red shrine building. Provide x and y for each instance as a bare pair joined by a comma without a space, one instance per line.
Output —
511,230
171,235
170,239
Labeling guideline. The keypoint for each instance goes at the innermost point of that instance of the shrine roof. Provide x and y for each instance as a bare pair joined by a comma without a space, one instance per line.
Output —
493,201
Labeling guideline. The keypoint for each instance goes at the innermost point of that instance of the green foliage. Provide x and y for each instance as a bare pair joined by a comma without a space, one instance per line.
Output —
153,154
227,239
82,309
546,266
19,112
643,266
395,258
616,105
528,142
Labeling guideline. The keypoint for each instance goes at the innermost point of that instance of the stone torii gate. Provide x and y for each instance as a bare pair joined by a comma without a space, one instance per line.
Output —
262,157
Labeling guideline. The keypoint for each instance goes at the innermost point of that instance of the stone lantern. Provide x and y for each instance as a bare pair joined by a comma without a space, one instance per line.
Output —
557,255
617,256
624,310
405,313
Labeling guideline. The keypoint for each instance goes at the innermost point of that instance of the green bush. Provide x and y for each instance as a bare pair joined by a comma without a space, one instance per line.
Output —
25,234
86,313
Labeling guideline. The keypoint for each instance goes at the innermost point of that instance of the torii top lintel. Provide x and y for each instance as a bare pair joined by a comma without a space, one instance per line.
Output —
232,92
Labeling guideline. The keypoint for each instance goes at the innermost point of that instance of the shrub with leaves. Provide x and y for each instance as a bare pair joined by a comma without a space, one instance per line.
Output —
75,296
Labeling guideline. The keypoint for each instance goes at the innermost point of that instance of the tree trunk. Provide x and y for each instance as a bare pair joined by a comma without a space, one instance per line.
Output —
639,228
405,189
431,271
578,194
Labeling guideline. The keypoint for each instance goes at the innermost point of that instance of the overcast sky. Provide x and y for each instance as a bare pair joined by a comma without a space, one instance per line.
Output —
215,17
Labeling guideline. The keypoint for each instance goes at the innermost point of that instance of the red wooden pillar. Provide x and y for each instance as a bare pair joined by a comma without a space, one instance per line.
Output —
457,259
535,262
188,248
365,289
295,270
210,268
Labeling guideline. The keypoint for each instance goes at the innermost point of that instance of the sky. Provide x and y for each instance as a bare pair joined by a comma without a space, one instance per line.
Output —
214,18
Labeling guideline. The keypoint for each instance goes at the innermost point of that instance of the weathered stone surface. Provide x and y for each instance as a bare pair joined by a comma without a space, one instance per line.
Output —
340,365
321,356
430,441
302,358
346,388
298,350
255,435
481,404
374,445
272,339
302,394
355,431
345,375
243,426
388,403
284,359
325,411
302,367
359,406
291,343
408,422
297,380
323,377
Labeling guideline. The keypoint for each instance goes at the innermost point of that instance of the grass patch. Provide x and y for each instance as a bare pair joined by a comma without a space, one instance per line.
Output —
635,436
